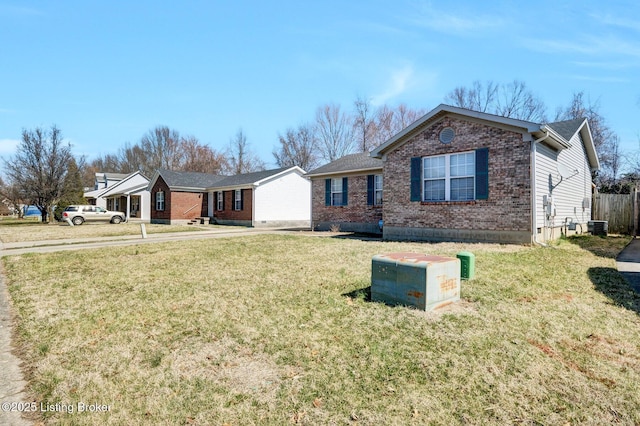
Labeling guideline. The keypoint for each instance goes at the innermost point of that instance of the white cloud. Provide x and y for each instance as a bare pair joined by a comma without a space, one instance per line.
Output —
617,21
399,81
8,146
459,23
590,45
601,79
18,11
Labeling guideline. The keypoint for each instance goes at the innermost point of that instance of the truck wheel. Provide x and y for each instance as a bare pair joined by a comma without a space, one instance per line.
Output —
116,219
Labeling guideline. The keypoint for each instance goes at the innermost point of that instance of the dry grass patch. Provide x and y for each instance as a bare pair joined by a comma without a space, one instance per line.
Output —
18,232
279,329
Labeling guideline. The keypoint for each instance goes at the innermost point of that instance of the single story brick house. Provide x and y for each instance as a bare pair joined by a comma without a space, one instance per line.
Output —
347,194
122,192
278,197
462,175
179,197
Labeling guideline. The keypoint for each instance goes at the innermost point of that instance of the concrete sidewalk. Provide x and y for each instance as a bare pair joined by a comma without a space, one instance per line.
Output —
12,383
628,263
48,246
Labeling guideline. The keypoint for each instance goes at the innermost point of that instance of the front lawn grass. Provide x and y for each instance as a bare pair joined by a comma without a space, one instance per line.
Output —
16,231
268,329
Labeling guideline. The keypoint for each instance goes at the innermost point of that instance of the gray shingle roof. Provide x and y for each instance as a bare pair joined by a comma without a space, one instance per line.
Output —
567,128
247,178
189,179
348,163
204,181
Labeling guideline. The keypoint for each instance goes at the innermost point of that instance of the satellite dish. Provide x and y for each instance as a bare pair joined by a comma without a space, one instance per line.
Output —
565,172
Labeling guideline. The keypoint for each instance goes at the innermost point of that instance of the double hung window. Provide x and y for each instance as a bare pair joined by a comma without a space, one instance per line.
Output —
160,200
449,177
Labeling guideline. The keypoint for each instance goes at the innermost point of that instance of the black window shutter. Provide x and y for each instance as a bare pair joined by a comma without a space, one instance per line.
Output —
416,178
241,200
482,174
370,189
222,200
327,192
345,194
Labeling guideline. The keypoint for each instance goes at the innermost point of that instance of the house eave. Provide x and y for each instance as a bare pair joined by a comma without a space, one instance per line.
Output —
443,110
345,172
555,140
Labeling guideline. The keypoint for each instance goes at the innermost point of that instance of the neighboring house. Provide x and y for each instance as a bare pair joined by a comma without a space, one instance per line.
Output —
347,194
104,180
126,193
270,198
279,197
462,175
179,197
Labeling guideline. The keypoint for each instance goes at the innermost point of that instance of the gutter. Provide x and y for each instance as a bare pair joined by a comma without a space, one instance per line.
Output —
534,228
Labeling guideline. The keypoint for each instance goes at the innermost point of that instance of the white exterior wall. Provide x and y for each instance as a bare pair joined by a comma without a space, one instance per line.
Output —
567,193
101,202
123,187
286,199
145,205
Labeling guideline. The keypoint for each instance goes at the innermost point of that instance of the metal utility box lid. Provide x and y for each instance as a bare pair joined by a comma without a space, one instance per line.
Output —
424,281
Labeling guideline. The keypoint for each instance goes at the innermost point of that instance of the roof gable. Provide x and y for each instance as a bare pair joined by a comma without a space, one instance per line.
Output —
570,128
443,110
567,129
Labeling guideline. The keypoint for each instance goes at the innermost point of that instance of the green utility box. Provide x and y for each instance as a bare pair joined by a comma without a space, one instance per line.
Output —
467,265
414,279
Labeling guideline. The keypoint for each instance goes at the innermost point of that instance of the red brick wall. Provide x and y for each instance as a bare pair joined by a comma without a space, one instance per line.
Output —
179,206
508,207
356,210
164,215
229,213
182,205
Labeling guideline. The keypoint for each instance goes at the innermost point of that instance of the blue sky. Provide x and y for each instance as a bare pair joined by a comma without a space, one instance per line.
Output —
107,72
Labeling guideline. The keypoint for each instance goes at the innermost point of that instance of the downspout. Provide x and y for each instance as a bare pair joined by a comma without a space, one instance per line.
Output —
533,190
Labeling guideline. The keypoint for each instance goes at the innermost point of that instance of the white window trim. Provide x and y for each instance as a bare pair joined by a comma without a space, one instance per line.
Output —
220,201
339,180
160,202
376,190
237,200
447,177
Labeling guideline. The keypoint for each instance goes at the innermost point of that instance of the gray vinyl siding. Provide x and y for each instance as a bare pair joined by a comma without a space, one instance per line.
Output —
568,193
546,160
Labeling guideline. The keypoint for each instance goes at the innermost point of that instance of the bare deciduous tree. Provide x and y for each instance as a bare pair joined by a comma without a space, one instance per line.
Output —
201,158
297,148
39,168
364,127
516,101
389,121
478,97
162,147
511,100
333,130
604,138
240,158
13,196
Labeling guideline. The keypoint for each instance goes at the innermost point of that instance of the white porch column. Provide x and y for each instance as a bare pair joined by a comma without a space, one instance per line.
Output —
128,207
